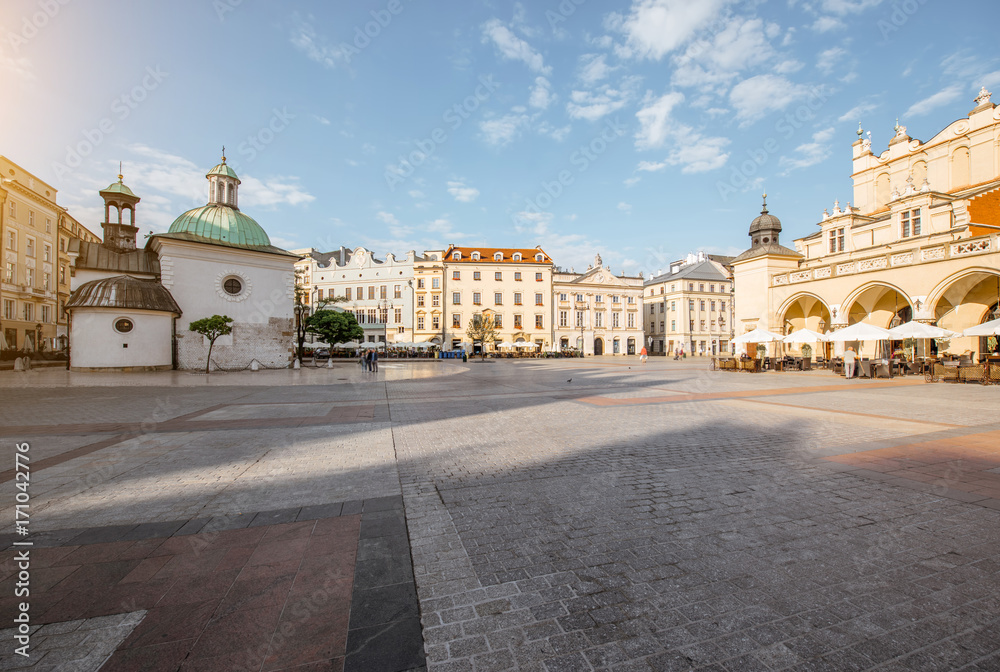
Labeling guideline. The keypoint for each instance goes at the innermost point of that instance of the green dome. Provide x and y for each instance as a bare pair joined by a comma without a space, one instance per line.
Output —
118,188
221,223
223,169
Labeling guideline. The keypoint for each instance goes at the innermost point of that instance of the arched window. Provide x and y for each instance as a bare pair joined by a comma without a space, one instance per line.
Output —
475,256
456,256
517,256
882,190
539,257
498,256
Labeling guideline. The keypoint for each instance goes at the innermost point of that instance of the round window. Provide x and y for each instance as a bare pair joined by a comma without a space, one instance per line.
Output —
232,286
123,325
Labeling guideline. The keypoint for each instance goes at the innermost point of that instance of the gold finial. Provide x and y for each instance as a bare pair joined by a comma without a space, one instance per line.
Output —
120,176
223,153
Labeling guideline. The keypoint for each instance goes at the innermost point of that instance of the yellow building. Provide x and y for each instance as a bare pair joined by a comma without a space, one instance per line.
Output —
514,285
29,286
920,241
597,310
689,307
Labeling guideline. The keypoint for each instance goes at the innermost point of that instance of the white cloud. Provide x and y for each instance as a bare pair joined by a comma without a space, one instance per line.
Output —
855,113
321,119
651,166
462,193
654,28
503,130
756,96
740,44
272,192
632,181
828,59
604,100
541,94
943,97
415,193
512,47
534,223
842,7
990,79
315,47
810,153
825,24
387,218
689,148
698,155
594,68
787,67
655,123
625,207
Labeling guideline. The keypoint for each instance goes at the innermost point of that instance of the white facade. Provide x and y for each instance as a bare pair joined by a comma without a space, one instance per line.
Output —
100,342
196,273
379,292
597,310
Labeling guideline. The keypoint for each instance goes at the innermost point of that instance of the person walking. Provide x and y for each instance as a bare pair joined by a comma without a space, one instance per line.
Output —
850,360
374,360
642,355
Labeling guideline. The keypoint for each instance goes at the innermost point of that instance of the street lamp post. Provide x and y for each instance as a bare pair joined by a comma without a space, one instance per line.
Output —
38,337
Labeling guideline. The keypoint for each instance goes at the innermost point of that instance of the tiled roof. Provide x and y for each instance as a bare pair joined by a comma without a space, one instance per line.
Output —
94,256
487,253
702,270
123,291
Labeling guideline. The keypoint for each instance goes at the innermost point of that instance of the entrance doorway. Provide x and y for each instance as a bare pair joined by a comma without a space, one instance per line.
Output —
598,346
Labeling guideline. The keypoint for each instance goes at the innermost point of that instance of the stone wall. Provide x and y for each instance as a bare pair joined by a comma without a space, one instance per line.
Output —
271,345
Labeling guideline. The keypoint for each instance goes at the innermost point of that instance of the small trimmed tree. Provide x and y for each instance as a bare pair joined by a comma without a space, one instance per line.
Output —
482,328
334,326
211,328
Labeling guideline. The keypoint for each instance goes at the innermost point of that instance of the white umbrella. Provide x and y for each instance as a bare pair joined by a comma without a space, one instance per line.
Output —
860,331
369,346
991,328
525,345
804,336
348,344
757,336
424,346
916,329
505,346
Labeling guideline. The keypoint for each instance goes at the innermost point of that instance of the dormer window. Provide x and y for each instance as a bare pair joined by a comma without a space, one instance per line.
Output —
475,256
836,240
456,256
499,257
517,256
539,257
909,223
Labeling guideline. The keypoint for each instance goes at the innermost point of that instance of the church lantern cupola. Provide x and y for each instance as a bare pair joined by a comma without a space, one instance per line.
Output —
765,228
223,185
119,232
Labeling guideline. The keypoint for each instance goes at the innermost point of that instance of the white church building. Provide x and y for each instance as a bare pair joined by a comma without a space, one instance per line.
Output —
130,307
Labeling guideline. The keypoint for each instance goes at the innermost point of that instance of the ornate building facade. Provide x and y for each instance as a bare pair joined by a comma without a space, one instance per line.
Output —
597,311
379,292
919,242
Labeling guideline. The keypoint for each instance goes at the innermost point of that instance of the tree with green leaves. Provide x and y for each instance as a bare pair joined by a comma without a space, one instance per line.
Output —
211,328
482,328
334,326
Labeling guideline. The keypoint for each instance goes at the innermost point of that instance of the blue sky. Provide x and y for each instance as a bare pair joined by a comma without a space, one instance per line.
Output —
633,128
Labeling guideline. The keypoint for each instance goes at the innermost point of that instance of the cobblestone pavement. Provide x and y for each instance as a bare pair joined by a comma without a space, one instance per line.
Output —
563,514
